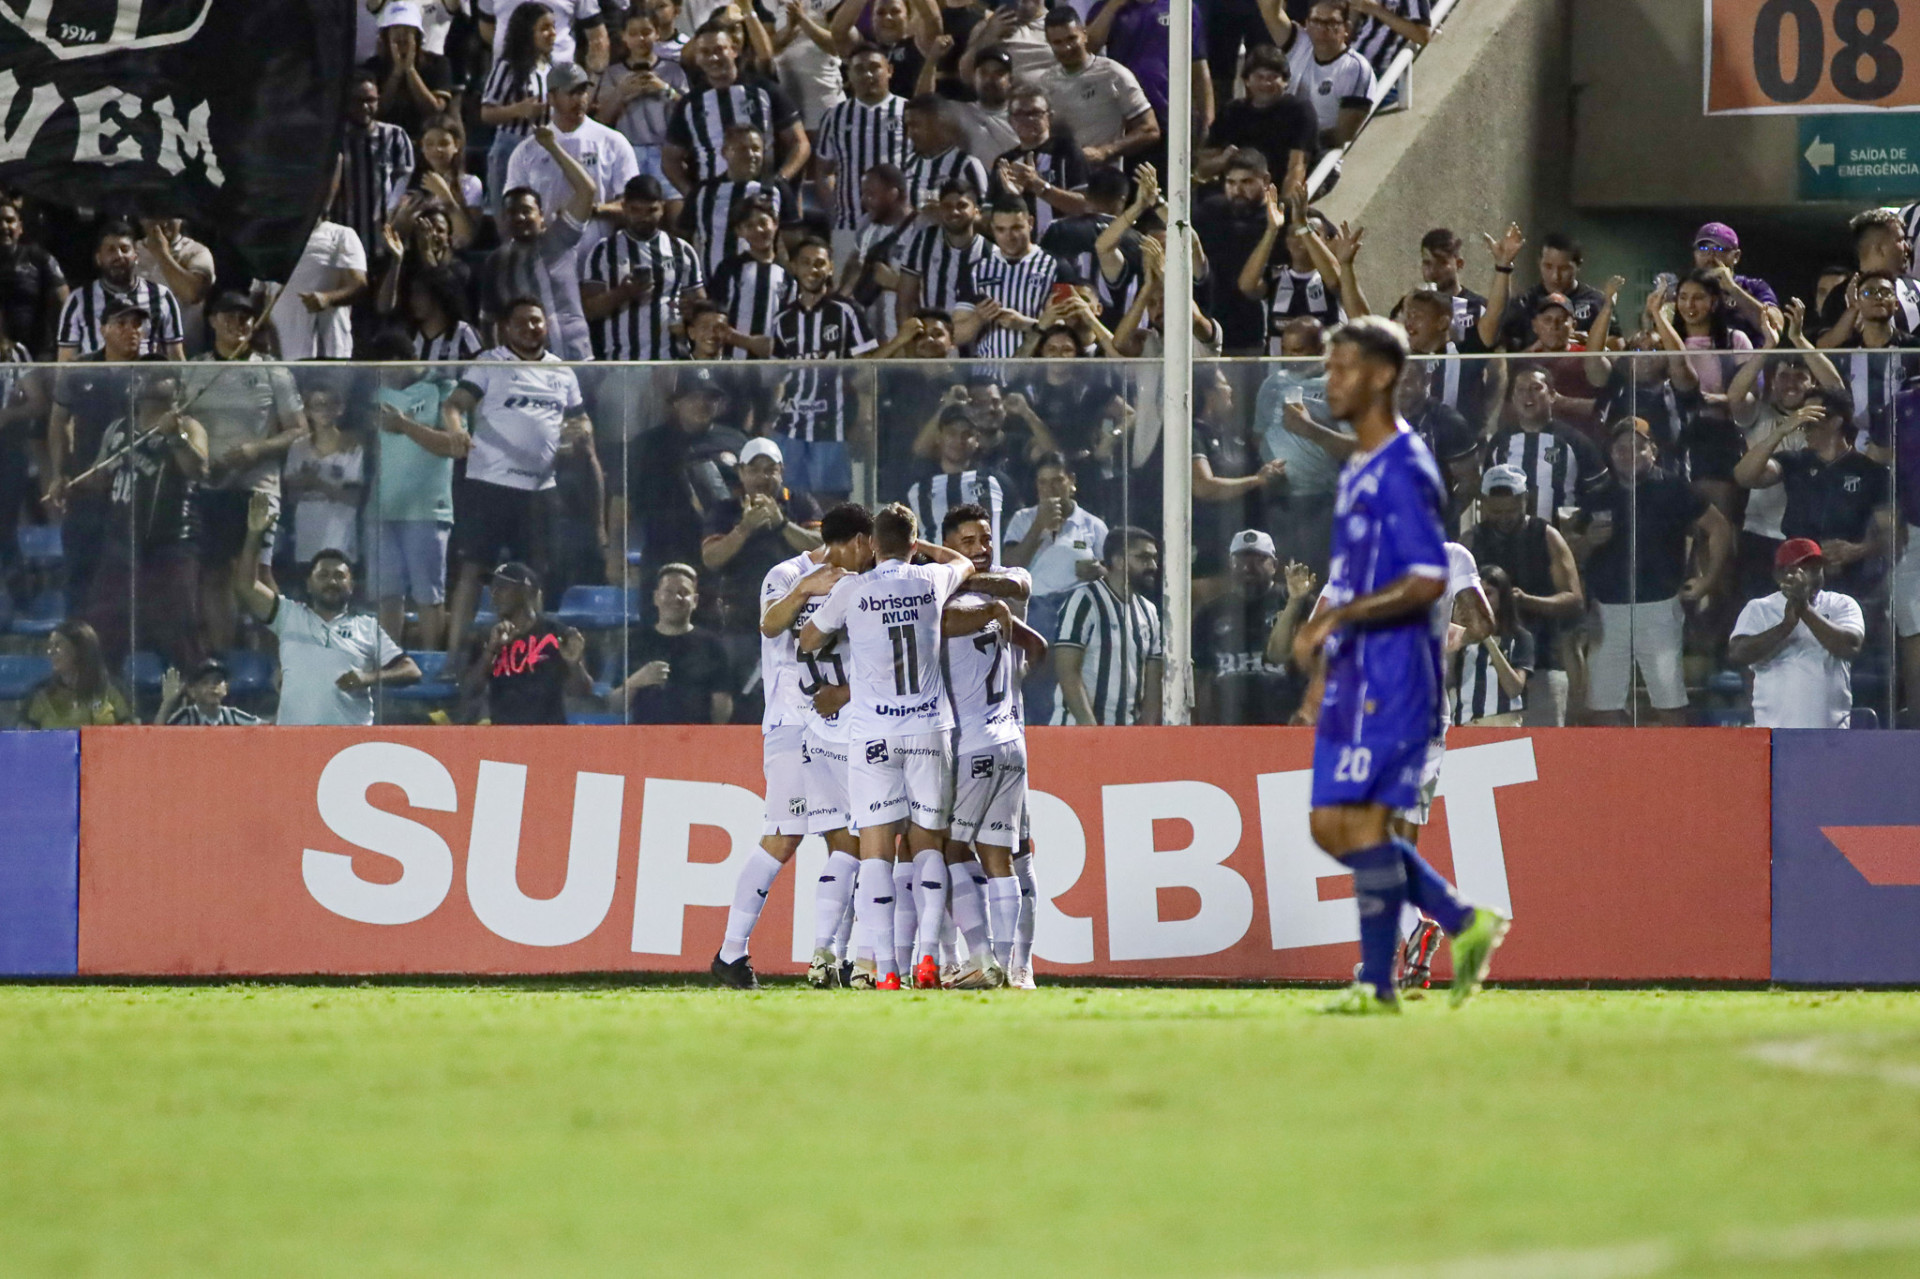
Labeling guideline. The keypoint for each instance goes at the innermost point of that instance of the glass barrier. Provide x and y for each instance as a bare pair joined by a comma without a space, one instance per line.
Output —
1639,521
170,534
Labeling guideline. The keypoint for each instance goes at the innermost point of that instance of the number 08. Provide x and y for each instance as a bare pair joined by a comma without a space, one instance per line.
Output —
1865,29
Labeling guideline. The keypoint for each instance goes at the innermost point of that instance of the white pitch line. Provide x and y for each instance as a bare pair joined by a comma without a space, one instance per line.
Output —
1829,1055
1660,1256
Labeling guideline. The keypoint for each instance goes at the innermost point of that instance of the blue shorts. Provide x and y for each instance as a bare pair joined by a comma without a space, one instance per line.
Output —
816,466
1373,770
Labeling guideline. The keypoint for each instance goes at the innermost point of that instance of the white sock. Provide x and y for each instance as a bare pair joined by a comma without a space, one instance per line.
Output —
949,938
930,896
873,906
1029,903
830,897
970,905
749,898
905,916
1003,911
843,933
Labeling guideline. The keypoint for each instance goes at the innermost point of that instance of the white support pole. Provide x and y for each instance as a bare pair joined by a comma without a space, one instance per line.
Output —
1176,382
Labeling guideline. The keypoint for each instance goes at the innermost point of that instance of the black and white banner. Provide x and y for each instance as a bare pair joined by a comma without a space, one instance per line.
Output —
226,112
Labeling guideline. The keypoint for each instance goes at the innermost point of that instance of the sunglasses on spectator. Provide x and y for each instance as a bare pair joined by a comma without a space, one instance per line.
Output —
1712,246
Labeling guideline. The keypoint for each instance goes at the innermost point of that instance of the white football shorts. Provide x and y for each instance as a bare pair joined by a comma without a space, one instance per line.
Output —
990,795
909,778
783,760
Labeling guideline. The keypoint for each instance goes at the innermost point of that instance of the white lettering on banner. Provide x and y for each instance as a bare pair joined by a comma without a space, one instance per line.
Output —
808,861
1295,864
426,863
101,138
1136,871
493,858
1061,856
1468,779
667,882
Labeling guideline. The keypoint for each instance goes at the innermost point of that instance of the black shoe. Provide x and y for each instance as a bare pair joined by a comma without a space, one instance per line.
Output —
738,975
846,972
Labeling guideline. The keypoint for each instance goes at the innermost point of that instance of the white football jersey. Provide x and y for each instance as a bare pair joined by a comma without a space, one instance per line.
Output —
1463,574
780,670
891,615
983,670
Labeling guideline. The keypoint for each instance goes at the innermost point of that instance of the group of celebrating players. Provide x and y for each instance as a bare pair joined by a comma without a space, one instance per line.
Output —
893,726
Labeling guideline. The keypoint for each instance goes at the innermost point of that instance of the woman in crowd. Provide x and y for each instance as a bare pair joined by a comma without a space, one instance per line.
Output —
78,692
323,481
515,97
442,174
1490,677
1692,324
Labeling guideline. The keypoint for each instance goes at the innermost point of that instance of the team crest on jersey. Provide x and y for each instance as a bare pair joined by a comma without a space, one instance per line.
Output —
876,752
75,31
982,766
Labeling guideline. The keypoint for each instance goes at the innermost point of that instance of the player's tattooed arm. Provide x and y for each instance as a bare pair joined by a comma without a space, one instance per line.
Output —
1001,586
783,612
1032,642
967,619
941,555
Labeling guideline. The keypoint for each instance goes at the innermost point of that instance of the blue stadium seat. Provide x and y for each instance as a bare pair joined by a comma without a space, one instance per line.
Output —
39,544
20,673
248,672
42,613
431,688
484,617
595,717
144,670
1726,683
593,608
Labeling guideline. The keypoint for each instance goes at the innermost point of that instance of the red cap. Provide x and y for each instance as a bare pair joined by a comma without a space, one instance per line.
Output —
1797,550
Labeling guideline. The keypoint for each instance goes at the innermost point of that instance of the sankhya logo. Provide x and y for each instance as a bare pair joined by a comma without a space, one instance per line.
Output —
137,24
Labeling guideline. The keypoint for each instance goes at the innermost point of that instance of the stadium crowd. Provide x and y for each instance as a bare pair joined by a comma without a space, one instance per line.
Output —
903,250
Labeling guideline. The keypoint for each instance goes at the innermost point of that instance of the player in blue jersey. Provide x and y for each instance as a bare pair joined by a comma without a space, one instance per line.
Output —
1385,693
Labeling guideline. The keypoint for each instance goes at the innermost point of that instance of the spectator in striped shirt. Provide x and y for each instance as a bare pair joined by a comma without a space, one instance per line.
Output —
691,153
714,204
1109,654
818,404
1390,26
83,318
514,99
376,166
636,280
1562,466
871,276
939,262
200,700
1043,167
937,158
753,284
865,130
1010,287
436,317
958,478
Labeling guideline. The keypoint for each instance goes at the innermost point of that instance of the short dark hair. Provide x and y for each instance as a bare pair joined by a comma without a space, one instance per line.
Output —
515,193
934,313
1837,403
1120,539
808,242
964,513
1108,184
116,227
330,553
1009,203
894,529
927,102
643,186
867,49
748,207
1056,459
845,522
738,130
889,174
1062,15
1250,160
1377,338
1561,242
960,186
1874,219
1266,57
980,377
390,345
515,303
1440,240
694,308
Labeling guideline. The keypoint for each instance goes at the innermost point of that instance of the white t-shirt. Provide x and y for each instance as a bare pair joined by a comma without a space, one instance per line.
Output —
196,257
1463,574
1346,81
791,677
982,673
332,251
891,615
1802,685
809,74
567,14
516,423
603,152
1081,536
985,134
315,653
1767,507
1095,102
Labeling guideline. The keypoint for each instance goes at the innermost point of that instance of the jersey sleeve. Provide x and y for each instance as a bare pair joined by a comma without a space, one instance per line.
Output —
1410,529
1753,619
1078,619
832,613
1844,613
775,585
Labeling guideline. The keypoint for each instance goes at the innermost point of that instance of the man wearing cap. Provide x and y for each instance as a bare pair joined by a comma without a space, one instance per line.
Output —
636,279
116,254
1546,581
528,663
415,84
200,700
1747,298
676,473
1801,641
606,156
747,535
1242,639
1651,546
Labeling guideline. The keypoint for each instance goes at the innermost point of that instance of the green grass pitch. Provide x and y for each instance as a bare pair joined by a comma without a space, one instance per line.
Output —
556,1129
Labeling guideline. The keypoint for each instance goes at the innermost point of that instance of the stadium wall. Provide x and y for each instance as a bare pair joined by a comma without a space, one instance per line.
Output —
1164,853
39,853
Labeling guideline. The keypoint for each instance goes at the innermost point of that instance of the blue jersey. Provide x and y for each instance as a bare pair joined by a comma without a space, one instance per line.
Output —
1384,682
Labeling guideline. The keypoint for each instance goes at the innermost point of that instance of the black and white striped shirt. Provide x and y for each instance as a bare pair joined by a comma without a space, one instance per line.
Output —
933,496
1873,381
1118,639
1018,286
376,166
945,269
459,343
1059,162
644,330
856,136
817,401
86,310
701,120
1297,293
1910,219
1379,43
226,717
1559,463
712,208
752,293
1479,693
926,174
504,88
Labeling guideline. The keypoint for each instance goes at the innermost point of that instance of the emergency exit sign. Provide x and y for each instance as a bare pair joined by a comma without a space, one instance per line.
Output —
1860,157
